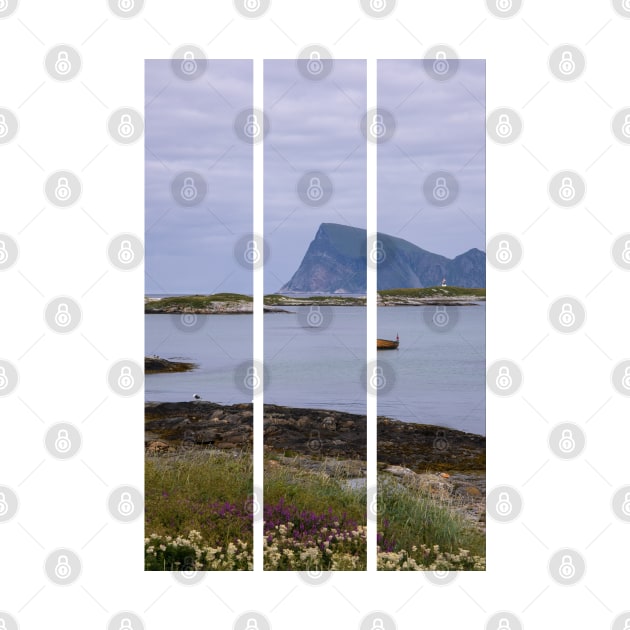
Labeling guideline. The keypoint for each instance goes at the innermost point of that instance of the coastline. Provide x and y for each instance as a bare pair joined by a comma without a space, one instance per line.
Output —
318,433
233,303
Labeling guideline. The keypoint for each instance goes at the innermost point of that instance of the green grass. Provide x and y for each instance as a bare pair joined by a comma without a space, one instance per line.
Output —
274,299
195,301
180,490
410,517
313,492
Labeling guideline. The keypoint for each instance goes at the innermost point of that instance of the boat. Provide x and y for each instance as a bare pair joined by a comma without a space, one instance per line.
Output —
387,344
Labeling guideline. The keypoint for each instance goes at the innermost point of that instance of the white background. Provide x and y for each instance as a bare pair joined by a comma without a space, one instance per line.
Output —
63,252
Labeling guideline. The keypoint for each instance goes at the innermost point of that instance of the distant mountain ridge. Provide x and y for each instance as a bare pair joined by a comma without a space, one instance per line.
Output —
336,258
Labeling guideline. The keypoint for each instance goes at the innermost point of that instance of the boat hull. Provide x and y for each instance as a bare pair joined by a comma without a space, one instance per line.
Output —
386,344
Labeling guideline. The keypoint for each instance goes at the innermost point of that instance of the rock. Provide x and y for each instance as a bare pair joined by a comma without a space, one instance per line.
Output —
157,446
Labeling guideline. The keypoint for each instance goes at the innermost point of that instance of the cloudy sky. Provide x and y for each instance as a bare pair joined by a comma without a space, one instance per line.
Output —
314,126
440,126
190,127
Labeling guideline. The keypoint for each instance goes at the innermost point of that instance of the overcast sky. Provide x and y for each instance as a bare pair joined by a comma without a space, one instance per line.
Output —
190,126
314,126
440,126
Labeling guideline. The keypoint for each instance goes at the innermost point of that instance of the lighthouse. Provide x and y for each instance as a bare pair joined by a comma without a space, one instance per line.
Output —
443,282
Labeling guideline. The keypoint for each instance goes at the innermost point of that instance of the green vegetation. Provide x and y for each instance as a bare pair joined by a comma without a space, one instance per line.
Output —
312,491
183,491
434,292
275,299
199,515
410,517
194,301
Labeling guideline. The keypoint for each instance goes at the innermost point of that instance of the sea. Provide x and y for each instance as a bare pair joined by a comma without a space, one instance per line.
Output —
316,359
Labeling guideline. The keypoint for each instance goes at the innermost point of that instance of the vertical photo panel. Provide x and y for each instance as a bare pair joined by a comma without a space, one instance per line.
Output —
430,374
198,316
315,314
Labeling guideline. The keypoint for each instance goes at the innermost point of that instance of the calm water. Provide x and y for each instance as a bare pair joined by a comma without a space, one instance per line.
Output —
434,377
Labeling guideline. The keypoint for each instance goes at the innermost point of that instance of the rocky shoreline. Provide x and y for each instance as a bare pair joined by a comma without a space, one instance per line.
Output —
158,365
233,303
447,464
315,433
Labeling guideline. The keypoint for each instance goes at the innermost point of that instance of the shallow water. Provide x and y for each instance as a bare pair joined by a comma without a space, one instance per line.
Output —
434,377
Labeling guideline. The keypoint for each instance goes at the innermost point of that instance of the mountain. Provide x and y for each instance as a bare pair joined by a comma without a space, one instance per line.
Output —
336,259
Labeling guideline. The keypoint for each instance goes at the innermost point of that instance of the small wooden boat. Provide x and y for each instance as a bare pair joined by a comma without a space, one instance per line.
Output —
387,344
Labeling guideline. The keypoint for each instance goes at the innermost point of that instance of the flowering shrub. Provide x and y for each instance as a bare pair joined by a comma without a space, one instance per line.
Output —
165,553
429,559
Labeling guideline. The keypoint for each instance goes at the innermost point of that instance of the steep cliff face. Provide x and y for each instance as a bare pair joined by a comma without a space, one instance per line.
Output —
336,259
